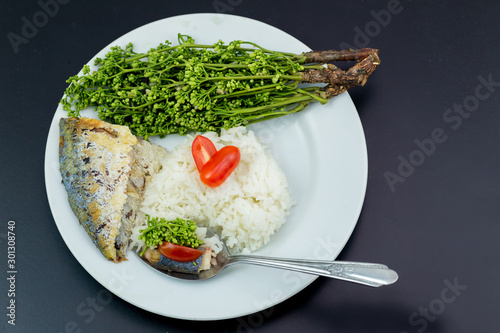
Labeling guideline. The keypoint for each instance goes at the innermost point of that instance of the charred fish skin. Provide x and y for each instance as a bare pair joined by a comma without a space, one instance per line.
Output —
105,170
95,162
146,163
191,267
159,261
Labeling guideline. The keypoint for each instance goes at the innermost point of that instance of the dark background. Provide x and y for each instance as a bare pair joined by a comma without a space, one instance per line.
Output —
439,227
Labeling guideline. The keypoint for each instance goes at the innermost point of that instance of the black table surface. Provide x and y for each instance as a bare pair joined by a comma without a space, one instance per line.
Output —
431,120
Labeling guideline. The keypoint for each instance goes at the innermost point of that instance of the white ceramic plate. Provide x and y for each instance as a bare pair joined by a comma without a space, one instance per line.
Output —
321,150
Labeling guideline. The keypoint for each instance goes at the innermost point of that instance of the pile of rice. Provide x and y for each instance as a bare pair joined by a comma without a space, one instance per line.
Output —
245,211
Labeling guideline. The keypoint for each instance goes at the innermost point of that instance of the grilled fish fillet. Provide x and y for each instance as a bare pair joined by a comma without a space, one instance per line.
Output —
105,170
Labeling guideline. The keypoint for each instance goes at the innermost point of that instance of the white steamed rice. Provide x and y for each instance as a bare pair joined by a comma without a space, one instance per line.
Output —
246,210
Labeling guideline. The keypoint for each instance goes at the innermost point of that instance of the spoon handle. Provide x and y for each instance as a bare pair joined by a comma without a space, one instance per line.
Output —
374,275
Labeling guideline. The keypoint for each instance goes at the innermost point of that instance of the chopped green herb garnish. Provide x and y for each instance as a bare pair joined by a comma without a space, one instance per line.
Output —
179,231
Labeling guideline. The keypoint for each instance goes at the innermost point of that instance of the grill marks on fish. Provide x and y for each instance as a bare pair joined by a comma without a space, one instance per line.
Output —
109,131
103,170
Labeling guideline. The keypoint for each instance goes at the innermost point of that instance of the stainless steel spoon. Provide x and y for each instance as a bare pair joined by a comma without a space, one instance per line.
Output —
374,275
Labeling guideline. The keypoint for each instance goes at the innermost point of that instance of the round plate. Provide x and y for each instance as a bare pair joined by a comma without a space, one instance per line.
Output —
322,151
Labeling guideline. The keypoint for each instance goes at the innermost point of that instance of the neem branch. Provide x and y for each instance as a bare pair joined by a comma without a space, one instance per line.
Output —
197,87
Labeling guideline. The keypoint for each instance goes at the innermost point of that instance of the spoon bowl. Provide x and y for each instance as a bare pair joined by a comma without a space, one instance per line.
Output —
370,274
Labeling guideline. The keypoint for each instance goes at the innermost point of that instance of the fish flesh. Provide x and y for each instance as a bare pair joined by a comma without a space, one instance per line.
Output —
105,170
159,261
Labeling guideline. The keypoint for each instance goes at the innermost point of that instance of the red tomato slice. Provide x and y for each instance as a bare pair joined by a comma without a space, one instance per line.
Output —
220,166
179,253
202,149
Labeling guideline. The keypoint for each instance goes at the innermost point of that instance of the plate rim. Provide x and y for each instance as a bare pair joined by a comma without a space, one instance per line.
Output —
307,282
